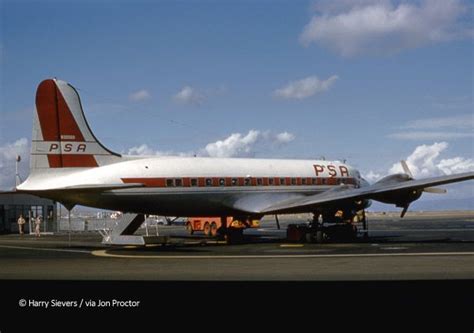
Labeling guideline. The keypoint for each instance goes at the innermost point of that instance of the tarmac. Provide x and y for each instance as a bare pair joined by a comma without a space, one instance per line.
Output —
422,246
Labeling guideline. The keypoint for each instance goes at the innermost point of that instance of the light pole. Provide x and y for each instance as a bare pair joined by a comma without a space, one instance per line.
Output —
17,174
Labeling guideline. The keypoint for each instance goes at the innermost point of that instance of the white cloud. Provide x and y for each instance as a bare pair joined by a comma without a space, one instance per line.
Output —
189,95
284,137
425,162
142,150
305,88
457,121
140,95
235,145
383,27
372,176
145,150
8,154
423,135
240,145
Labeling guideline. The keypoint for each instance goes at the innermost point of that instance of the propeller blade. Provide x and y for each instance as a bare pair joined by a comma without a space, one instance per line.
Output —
406,169
404,211
436,190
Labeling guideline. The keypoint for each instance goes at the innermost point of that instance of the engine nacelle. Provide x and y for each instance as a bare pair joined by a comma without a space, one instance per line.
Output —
399,198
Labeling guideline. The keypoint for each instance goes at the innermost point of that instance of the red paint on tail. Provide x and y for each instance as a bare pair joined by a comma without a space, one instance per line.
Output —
55,117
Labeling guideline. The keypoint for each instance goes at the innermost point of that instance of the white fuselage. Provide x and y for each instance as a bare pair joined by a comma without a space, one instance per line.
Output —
192,186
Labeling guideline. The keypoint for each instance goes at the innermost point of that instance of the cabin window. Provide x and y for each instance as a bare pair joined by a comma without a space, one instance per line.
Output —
315,181
194,182
169,182
221,181
324,181
178,182
234,181
259,181
208,181
303,181
247,181
293,181
270,181
282,181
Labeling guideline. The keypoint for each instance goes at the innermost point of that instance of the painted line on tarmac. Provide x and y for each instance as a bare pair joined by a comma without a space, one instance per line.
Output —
423,230
43,249
103,253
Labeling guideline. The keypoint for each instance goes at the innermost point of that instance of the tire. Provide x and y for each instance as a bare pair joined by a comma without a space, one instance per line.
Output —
189,228
319,236
234,236
207,229
213,229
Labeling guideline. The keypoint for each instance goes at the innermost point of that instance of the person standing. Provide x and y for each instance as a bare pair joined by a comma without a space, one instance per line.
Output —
37,226
21,222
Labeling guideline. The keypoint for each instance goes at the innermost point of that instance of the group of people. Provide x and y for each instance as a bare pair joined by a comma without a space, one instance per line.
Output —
37,221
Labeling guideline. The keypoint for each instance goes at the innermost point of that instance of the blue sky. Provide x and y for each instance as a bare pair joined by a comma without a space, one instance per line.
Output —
367,81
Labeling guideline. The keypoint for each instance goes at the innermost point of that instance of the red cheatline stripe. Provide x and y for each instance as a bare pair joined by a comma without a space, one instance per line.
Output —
151,182
72,161
216,181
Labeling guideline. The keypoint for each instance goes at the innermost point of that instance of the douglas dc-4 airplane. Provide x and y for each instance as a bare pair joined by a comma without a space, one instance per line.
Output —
69,165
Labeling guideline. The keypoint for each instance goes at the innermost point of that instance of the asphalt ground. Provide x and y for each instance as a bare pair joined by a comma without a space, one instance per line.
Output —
410,273
420,246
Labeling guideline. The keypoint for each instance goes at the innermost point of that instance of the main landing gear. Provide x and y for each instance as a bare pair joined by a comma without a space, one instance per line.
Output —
330,226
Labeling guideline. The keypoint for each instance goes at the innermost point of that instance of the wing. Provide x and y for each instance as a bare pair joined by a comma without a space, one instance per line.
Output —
395,187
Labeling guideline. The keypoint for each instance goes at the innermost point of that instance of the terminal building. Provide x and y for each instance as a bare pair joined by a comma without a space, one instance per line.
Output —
30,206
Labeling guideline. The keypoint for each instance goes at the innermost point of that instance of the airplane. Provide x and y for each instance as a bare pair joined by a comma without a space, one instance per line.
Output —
69,164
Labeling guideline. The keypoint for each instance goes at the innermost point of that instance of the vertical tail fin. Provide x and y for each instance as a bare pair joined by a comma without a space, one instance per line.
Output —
61,136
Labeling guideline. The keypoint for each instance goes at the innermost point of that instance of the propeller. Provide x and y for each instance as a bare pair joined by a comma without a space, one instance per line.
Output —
436,190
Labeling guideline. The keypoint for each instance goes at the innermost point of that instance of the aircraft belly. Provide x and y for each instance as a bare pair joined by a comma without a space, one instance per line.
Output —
195,203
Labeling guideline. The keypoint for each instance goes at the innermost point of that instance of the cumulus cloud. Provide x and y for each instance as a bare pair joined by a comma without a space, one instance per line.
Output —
284,137
189,95
425,162
372,176
244,145
235,145
8,154
304,88
140,95
383,27
145,150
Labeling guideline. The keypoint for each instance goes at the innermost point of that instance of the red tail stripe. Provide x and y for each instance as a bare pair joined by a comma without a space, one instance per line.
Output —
72,161
54,115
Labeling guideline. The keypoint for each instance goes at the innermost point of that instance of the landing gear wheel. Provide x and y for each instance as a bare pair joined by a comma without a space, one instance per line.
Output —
213,229
234,236
189,228
207,229
319,236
